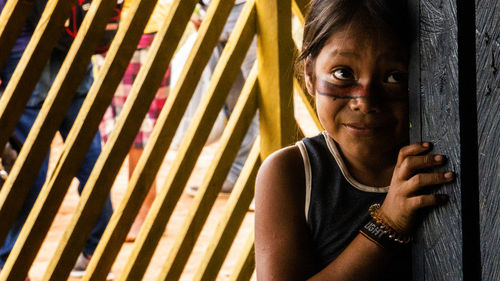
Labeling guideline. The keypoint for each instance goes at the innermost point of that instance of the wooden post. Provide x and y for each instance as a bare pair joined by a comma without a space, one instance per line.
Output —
434,116
454,104
488,109
275,60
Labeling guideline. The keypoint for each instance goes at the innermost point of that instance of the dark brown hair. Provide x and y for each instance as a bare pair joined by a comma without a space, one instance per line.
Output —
326,17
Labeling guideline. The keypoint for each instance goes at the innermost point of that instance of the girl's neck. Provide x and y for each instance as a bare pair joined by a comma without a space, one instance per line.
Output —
372,170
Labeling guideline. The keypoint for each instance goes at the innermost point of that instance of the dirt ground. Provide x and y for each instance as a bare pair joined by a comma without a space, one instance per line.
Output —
69,204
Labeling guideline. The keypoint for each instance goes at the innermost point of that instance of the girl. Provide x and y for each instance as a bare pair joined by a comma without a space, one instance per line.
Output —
342,205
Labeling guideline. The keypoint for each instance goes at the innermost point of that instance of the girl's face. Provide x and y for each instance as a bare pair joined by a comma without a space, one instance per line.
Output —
359,79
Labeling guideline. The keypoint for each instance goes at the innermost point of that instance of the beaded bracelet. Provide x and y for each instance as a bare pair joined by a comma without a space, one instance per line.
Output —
381,233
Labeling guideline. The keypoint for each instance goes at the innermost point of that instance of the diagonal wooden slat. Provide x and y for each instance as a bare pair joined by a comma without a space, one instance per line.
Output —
86,126
23,81
298,87
166,126
48,121
11,108
121,139
246,263
50,117
207,193
299,8
300,132
128,124
308,102
12,20
227,229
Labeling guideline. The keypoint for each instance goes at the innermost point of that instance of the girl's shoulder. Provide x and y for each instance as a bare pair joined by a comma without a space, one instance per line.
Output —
284,163
291,158
287,166
281,178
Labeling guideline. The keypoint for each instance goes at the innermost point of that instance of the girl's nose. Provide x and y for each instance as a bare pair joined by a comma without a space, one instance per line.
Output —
365,104
368,99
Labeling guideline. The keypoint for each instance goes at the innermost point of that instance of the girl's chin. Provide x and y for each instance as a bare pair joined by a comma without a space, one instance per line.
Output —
369,149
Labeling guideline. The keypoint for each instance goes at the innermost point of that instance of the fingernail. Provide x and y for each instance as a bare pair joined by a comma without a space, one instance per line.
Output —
438,158
425,144
448,175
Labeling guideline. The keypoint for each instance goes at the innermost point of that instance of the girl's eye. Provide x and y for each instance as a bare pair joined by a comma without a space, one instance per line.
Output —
343,74
397,77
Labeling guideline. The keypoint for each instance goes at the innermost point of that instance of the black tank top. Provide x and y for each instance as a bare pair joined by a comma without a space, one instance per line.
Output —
337,205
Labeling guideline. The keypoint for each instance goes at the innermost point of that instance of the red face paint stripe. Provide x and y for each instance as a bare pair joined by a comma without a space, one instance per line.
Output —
355,91
339,91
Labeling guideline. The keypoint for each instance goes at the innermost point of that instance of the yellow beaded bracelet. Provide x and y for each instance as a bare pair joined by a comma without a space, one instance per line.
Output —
386,228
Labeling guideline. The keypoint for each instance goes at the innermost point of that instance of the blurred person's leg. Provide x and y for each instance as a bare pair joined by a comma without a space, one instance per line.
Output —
93,151
21,132
133,157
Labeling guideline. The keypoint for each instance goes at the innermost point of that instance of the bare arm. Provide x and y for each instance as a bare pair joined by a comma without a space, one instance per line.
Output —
281,238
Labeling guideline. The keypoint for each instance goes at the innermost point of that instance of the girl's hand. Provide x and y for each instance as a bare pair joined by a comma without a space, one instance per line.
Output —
409,188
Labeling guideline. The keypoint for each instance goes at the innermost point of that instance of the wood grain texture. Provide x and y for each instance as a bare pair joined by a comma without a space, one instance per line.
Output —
438,245
488,108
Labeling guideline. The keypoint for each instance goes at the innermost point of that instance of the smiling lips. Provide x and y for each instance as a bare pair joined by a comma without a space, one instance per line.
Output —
362,129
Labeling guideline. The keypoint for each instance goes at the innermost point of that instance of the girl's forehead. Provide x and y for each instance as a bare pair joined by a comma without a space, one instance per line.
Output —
354,39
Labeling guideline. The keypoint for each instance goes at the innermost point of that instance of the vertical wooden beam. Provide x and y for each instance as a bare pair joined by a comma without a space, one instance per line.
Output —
275,61
488,108
444,110
434,115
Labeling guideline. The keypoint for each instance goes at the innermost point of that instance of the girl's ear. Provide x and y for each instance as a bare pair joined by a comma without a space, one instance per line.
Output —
309,76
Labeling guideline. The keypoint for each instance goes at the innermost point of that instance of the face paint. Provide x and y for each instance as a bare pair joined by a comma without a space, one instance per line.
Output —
352,91
328,89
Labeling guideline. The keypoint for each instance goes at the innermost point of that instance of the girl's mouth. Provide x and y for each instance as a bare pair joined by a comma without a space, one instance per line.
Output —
361,129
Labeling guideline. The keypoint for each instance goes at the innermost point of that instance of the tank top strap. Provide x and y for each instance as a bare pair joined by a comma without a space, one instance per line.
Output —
307,171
